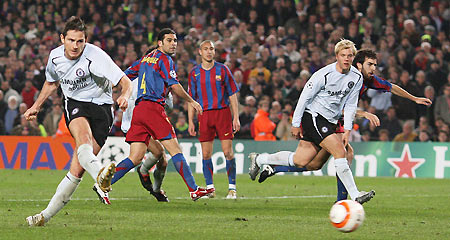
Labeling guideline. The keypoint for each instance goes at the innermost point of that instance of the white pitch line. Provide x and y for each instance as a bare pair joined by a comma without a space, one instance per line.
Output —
179,198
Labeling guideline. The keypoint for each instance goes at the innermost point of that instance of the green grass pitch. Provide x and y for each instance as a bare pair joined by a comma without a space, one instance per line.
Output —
401,209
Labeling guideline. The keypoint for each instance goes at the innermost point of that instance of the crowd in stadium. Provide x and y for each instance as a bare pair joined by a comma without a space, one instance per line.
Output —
271,47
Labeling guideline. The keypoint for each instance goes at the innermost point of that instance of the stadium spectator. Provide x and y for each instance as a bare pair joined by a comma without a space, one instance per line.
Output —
413,39
443,136
11,113
391,123
25,128
423,136
442,106
52,119
407,134
29,92
383,135
181,126
403,106
263,126
3,106
8,92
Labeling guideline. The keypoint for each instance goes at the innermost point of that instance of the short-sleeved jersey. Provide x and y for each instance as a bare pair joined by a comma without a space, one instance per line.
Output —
87,79
155,73
377,83
212,88
327,93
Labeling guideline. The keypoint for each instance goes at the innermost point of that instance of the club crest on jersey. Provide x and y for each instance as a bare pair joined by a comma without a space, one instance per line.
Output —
218,78
351,84
173,74
75,111
324,129
79,72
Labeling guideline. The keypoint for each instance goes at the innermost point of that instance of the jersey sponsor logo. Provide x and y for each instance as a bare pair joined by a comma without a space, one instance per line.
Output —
76,84
351,84
75,111
340,92
196,74
324,129
226,134
79,72
150,60
309,85
173,74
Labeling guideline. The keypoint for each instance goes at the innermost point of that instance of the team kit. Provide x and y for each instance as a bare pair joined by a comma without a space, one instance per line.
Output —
322,119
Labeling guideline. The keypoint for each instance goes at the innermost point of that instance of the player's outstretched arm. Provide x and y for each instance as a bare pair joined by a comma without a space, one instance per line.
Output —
122,100
397,90
235,111
373,119
46,91
179,90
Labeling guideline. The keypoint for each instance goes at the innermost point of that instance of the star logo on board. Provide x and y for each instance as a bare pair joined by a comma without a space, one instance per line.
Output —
406,166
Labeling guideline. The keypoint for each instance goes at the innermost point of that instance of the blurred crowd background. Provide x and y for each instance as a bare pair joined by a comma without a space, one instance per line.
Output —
271,47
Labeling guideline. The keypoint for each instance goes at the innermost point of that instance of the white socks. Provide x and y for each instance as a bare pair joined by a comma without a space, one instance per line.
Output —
88,160
148,163
345,174
283,158
158,174
64,192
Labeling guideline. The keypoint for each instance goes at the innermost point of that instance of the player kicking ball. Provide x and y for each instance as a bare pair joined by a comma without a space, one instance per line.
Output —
86,75
212,85
156,74
331,90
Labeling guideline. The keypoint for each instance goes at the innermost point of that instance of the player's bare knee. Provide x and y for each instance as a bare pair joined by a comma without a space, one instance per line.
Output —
228,154
300,162
77,172
206,154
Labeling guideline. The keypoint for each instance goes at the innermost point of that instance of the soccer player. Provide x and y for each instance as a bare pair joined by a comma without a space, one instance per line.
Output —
366,62
155,152
156,73
212,85
330,90
86,75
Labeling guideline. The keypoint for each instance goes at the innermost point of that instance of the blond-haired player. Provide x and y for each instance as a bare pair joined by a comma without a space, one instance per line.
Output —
330,90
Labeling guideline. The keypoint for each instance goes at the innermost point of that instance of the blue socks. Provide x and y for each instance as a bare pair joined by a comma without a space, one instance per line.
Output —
121,169
208,170
341,190
278,169
185,171
231,172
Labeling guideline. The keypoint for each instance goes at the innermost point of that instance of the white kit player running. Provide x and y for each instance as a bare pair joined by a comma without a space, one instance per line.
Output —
86,75
155,155
330,90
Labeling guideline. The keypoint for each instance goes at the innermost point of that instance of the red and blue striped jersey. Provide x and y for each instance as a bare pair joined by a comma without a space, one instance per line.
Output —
376,83
212,88
155,73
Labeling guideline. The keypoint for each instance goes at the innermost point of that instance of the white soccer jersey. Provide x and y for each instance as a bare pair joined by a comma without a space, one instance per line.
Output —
88,78
327,93
128,114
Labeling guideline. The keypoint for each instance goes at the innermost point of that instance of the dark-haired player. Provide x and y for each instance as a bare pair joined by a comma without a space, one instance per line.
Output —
86,75
156,75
